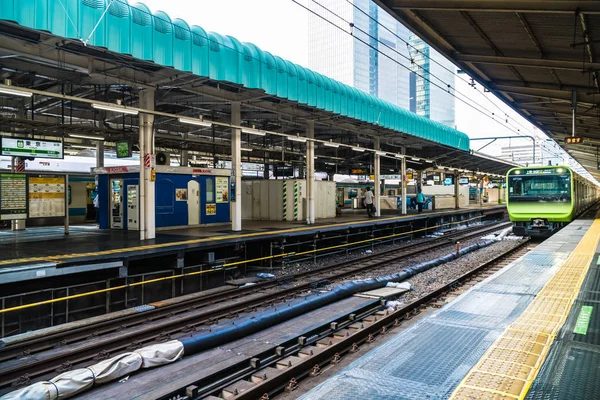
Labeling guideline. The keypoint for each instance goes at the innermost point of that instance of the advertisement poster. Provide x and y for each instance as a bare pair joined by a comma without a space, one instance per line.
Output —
222,185
181,194
46,196
13,196
211,209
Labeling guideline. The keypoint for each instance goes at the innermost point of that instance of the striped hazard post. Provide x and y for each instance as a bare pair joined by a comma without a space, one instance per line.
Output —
19,164
284,200
295,201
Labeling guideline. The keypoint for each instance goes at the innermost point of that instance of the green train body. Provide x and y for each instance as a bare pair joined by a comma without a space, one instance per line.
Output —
541,200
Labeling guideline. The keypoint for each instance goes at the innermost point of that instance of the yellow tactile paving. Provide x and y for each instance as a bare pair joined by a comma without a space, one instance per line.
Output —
510,365
59,258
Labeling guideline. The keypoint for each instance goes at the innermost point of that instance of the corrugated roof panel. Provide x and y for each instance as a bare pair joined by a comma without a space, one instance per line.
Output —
135,30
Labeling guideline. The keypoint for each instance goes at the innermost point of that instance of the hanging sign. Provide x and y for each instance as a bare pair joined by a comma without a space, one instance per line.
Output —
31,148
13,196
573,140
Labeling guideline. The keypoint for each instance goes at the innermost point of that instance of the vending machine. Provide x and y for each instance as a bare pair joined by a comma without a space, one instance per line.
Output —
133,208
116,204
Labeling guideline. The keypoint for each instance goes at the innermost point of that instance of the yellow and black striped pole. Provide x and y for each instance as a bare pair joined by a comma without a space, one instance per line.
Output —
284,200
295,201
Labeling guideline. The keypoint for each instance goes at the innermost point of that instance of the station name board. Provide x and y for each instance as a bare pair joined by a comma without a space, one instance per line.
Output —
17,147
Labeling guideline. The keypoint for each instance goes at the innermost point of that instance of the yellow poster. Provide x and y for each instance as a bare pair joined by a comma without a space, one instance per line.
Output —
211,209
222,186
46,196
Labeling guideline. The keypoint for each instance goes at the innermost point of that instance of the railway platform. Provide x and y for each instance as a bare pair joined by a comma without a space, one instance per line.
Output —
50,247
529,331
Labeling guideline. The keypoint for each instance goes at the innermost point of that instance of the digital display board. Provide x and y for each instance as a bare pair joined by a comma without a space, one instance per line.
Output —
123,149
13,196
17,147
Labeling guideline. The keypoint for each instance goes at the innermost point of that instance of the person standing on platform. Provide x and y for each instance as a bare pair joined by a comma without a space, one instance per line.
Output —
420,201
97,207
369,202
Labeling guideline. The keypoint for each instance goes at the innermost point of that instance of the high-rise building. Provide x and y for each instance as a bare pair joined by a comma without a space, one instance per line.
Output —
371,59
434,79
376,57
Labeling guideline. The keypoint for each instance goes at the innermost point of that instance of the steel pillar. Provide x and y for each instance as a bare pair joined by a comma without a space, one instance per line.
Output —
456,190
377,179
147,173
310,172
99,154
403,182
236,166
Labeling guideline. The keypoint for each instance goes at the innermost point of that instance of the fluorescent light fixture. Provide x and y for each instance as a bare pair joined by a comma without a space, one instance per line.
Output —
245,149
115,108
76,135
81,146
381,153
429,161
15,92
332,144
194,121
330,163
399,155
253,131
359,149
297,139
415,159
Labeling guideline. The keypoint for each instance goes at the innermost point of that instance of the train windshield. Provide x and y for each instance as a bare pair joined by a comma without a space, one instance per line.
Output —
541,188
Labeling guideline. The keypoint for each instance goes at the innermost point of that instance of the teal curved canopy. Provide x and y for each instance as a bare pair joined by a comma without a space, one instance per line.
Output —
134,30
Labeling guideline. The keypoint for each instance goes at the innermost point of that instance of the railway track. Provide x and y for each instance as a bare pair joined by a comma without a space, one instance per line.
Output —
283,371
21,362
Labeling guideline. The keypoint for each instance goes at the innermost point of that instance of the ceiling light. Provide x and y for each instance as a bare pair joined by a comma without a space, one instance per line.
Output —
381,153
81,146
193,121
415,159
115,108
399,156
245,149
253,131
76,135
15,92
429,161
359,149
332,144
297,139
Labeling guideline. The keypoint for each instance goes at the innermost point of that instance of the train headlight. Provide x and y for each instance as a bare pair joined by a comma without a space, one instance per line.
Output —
517,172
560,170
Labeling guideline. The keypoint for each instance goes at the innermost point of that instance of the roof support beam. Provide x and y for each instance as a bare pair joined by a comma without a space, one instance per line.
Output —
538,6
548,93
589,51
528,62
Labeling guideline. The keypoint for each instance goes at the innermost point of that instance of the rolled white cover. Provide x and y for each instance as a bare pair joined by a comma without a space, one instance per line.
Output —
73,382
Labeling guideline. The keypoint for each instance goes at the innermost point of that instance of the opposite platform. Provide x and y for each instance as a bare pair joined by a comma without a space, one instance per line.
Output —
430,359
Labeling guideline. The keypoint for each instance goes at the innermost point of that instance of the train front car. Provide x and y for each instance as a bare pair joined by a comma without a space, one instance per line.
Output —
540,200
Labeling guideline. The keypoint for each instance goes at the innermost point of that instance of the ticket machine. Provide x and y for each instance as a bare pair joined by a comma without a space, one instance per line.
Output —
133,208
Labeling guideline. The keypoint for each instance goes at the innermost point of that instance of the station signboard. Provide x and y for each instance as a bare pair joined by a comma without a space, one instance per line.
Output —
22,147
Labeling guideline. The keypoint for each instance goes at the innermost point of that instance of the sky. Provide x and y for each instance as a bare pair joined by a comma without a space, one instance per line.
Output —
281,27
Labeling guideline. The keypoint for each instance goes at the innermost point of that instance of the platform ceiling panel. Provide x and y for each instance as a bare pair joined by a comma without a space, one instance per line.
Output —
135,31
531,53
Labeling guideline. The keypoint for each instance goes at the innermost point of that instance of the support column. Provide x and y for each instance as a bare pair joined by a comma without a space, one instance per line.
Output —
310,172
377,179
17,165
456,190
185,154
403,182
236,166
147,164
99,154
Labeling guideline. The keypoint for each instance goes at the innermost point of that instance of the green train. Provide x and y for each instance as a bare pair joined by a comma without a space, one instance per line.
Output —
541,200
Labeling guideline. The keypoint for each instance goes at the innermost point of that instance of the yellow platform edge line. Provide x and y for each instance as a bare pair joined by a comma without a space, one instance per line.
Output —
575,267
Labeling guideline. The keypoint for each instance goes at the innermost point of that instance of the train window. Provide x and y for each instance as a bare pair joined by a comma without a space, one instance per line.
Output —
540,188
352,193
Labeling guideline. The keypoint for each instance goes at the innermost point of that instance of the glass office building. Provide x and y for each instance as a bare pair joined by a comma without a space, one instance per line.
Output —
375,58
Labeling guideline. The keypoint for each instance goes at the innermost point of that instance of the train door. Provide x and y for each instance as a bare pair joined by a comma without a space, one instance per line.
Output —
193,203
116,204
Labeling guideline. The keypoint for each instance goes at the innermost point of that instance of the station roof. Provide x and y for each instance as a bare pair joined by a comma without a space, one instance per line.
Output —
531,53
198,72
